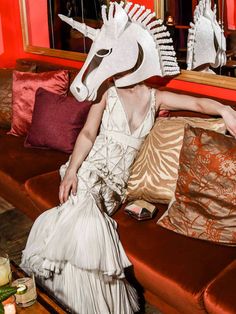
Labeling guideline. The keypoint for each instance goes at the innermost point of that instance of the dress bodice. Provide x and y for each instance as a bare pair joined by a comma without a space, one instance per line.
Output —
115,119
115,147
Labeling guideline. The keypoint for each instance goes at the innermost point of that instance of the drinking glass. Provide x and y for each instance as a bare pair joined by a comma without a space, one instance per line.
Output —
29,296
5,268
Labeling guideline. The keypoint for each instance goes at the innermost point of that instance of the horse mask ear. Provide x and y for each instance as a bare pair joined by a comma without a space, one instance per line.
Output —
114,24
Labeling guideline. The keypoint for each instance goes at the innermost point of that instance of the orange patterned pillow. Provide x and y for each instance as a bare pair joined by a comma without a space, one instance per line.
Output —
205,196
154,173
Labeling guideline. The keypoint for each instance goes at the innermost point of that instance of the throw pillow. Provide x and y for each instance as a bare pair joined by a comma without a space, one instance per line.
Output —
24,88
6,94
5,97
56,121
154,173
205,196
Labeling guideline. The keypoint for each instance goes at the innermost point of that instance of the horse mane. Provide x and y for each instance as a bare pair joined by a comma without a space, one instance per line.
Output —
164,44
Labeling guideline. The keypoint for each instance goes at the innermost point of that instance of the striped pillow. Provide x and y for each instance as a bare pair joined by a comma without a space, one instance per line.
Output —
153,175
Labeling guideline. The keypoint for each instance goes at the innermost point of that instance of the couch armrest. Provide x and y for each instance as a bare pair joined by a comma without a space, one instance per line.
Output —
43,190
220,294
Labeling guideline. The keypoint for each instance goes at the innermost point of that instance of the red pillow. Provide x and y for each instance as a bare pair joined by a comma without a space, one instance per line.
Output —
57,121
23,95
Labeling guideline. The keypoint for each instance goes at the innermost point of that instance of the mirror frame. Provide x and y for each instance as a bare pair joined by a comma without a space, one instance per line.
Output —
185,75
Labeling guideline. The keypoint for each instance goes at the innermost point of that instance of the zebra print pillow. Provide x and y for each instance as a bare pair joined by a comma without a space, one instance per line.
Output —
154,173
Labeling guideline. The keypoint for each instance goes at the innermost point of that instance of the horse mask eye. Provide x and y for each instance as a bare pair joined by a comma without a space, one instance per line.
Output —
103,52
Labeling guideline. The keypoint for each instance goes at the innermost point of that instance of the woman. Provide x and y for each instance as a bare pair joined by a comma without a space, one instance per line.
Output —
75,247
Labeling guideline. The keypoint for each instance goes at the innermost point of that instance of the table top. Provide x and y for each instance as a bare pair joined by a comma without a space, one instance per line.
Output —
44,304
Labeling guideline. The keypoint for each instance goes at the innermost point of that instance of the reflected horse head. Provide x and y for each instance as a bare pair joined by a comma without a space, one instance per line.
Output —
130,41
206,41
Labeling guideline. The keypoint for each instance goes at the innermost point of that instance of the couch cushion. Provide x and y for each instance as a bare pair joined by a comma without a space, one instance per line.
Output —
19,163
219,297
43,190
172,267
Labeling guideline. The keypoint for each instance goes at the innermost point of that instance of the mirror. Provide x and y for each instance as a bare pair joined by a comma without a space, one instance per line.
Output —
51,45
177,16
56,38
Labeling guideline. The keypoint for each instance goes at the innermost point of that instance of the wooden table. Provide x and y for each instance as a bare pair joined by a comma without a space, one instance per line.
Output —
44,304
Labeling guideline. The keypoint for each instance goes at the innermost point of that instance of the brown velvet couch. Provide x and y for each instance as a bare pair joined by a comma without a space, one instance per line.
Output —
175,273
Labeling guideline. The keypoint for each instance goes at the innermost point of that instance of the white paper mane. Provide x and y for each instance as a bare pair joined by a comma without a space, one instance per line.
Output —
129,40
206,41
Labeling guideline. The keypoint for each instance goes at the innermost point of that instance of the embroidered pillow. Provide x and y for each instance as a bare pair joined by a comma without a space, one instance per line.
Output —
56,121
23,94
154,173
5,97
205,196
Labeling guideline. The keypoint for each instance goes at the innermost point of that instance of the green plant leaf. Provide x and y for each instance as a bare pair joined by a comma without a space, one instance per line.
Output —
6,292
1,309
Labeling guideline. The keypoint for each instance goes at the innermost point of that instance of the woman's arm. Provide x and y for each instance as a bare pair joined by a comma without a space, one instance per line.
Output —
83,145
172,101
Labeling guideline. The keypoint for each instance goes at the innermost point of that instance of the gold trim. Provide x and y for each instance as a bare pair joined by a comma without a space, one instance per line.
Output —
207,79
57,53
23,19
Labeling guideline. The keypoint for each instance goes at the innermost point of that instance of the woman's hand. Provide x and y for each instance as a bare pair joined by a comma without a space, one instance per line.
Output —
69,183
229,116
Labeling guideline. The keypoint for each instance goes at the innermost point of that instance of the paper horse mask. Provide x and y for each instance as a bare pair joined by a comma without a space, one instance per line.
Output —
206,40
128,32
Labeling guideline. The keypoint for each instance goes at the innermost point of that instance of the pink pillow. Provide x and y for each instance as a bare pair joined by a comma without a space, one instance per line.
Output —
23,95
57,121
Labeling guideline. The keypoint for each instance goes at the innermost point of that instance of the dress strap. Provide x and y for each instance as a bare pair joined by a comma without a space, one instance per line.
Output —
153,94
125,139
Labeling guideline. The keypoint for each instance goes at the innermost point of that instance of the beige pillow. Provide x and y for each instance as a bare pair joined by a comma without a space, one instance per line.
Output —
154,173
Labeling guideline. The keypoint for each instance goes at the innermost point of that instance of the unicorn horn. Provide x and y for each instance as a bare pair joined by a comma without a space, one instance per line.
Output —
81,27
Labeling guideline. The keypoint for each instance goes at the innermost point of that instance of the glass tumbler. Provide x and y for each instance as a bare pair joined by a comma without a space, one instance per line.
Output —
5,268
29,296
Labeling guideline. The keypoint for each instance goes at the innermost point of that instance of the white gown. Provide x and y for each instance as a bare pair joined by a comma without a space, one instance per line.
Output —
74,248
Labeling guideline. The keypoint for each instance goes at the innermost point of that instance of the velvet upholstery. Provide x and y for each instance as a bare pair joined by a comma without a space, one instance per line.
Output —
20,163
154,262
17,164
179,265
43,190
218,298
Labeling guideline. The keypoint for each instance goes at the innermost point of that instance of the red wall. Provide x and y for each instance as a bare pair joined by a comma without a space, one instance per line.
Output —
12,45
